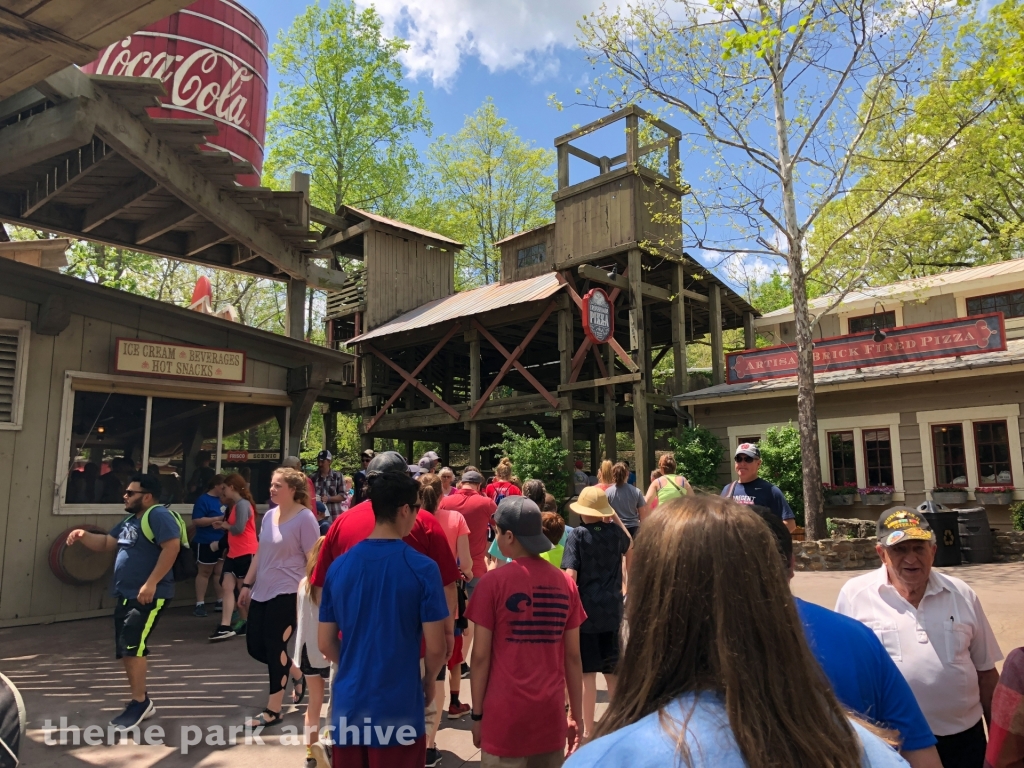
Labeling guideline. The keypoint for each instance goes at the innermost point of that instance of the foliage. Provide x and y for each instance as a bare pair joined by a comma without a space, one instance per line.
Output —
1017,515
780,101
781,464
771,294
539,458
484,184
698,452
342,114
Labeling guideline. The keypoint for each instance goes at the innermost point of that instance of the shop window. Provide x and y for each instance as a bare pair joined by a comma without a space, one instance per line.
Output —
992,443
755,440
870,322
252,447
841,457
107,435
950,454
1011,304
182,445
878,457
534,254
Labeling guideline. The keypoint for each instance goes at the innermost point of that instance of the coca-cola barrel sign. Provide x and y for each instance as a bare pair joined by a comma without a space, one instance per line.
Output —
212,59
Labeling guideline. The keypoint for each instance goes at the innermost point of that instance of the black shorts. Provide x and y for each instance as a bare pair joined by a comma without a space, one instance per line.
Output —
236,566
600,652
134,624
308,669
207,556
633,529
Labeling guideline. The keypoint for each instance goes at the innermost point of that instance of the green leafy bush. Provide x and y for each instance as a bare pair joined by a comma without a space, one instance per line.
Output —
536,458
1017,515
698,453
782,465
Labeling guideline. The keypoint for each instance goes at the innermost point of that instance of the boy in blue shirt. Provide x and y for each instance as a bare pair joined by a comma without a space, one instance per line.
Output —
383,597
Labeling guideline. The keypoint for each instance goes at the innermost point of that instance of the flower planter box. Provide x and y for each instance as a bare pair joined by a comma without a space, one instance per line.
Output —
839,500
876,499
994,499
949,497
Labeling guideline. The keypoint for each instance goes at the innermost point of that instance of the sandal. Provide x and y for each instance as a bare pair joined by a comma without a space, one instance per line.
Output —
262,721
296,686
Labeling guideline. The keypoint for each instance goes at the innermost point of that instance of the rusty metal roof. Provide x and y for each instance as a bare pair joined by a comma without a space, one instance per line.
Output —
468,303
358,212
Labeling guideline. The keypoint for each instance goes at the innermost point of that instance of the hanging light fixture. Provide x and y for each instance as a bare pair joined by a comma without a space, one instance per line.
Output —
879,335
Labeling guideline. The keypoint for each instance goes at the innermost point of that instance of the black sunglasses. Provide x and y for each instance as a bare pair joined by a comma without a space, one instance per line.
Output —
742,458
132,493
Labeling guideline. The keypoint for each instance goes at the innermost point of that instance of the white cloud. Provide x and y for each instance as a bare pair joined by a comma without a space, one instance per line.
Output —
502,34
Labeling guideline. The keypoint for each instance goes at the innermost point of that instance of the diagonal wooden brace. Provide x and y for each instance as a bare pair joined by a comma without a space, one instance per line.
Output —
581,353
512,359
410,379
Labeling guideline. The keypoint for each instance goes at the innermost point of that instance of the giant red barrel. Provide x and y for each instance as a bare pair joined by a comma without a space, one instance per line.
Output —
212,59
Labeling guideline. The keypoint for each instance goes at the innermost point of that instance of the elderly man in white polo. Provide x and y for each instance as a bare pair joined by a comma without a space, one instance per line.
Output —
935,630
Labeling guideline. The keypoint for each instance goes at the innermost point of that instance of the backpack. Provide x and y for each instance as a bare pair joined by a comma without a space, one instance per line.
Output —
502,493
185,566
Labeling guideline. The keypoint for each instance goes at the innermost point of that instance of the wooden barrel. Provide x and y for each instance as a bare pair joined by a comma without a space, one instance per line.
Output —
79,565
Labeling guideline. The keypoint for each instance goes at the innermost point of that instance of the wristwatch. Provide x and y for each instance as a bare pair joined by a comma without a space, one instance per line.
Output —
475,717
247,586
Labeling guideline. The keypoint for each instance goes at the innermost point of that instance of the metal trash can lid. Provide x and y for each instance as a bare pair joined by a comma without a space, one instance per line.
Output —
931,507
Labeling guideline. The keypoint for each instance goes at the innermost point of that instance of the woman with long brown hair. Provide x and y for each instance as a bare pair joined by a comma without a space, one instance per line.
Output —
287,536
716,670
240,524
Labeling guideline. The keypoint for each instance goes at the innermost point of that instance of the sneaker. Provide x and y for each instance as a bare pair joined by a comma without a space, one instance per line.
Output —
321,755
310,762
199,610
219,605
465,670
433,757
239,627
222,633
134,713
455,711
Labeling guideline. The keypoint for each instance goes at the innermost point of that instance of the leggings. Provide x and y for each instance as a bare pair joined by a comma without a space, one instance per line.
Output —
270,626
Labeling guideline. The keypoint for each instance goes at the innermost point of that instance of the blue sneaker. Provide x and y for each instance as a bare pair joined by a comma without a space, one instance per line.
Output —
134,713
200,610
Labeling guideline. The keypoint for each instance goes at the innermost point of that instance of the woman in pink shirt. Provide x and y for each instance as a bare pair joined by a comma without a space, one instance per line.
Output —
455,527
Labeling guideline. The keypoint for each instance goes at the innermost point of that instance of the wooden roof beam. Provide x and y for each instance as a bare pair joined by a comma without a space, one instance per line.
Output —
207,237
43,135
64,175
162,223
347,234
14,27
104,210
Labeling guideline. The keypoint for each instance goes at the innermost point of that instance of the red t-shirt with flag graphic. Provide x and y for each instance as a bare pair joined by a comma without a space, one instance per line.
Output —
527,605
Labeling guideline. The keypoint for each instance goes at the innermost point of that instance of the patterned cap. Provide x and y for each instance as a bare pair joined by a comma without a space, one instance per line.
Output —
902,524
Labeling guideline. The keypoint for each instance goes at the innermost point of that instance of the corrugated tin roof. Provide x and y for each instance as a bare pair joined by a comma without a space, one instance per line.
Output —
468,303
1014,354
918,286
401,225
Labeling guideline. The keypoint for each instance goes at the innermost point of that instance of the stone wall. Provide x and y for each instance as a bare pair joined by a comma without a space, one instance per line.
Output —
836,555
1009,546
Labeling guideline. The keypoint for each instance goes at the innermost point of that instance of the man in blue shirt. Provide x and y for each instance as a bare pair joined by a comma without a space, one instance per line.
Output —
384,597
863,676
147,543
755,491
209,543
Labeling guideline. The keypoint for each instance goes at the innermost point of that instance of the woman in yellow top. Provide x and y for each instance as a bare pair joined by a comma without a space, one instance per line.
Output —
669,486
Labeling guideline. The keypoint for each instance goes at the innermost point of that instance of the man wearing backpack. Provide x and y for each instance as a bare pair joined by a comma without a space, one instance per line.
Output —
147,544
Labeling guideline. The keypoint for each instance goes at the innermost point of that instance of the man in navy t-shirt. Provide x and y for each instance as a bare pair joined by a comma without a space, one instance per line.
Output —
863,676
752,490
383,597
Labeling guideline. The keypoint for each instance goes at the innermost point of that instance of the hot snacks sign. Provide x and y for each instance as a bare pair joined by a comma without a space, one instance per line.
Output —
212,60
179,361
598,316
963,336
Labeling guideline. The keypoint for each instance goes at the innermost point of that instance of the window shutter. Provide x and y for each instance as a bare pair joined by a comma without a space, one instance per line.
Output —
8,369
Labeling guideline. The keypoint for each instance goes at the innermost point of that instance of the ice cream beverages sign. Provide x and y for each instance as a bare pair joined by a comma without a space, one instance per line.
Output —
212,60
949,338
179,361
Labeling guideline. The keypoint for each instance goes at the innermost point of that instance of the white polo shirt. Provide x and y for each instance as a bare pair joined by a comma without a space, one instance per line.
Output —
939,647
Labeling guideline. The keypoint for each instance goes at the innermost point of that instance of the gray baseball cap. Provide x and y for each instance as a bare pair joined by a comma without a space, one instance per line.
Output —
472,477
388,461
523,517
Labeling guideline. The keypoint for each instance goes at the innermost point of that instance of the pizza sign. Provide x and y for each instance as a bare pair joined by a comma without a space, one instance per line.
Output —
598,317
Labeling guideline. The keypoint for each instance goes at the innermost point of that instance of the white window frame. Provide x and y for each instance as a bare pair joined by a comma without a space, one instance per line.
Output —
844,317
24,329
857,425
966,417
184,389
746,431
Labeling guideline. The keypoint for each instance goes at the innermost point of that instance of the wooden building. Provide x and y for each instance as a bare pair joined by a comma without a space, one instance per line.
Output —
945,422
454,369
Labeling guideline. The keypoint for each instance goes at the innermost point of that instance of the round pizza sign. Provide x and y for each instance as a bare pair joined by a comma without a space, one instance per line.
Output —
598,319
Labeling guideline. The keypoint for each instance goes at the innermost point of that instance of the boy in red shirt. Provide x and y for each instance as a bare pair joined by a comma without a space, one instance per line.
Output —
526,652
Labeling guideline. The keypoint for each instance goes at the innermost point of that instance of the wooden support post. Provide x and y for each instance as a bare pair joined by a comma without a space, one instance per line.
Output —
563,166
446,454
295,313
610,429
365,363
473,337
565,350
749,336
632,158
595,453
409,451
717,349
638,335
682,378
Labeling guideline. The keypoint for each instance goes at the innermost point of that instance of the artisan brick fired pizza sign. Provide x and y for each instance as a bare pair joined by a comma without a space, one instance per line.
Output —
949,338
179,361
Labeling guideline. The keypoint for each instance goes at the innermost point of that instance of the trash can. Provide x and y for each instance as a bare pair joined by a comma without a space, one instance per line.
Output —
946,526
975,535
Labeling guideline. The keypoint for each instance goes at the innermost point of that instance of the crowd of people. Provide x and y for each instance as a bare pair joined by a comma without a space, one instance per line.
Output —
392,586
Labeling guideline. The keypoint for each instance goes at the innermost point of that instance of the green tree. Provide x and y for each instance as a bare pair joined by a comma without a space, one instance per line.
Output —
780,98
536,457
342,114
484,184
698,453
781,464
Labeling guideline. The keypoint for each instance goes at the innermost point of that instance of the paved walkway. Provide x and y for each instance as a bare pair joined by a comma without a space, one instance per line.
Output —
68,670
